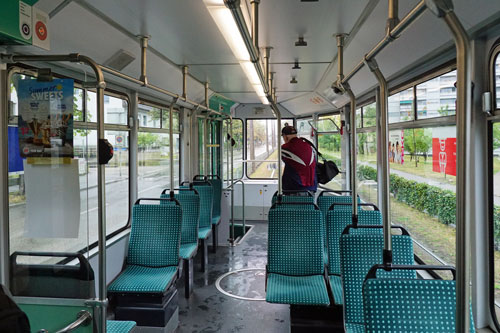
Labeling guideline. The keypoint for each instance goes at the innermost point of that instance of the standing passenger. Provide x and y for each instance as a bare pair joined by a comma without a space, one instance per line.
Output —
300,162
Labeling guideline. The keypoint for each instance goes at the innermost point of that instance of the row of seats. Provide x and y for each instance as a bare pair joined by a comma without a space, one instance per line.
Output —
297,274
163,235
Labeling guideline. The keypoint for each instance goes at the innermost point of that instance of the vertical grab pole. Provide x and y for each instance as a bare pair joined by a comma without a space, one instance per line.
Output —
4,173
278,124
383,182
232,180
171,143
206,151
444,9
101,197
353,162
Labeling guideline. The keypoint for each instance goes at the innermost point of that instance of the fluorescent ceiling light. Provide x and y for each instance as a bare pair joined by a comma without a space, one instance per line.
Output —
227,26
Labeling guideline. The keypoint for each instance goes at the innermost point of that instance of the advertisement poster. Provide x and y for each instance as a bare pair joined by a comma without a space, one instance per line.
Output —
444,151
45,122
396,150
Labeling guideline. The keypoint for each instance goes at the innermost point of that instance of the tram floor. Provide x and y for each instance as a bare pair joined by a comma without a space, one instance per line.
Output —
209,310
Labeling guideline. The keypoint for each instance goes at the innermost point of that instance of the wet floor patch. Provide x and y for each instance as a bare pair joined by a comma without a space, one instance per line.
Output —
208,310
246,284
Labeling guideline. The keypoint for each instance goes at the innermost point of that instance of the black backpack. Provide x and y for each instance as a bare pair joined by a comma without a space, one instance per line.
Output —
12,319
325,170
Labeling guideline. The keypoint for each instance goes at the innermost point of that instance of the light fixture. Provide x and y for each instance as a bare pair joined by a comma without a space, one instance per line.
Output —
296,66
301,42
293,80
227,26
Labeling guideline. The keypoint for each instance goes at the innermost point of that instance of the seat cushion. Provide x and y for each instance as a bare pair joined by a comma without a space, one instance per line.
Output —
140,279
336,285
116,326
188,250
300,290
354,328
204,232
215,220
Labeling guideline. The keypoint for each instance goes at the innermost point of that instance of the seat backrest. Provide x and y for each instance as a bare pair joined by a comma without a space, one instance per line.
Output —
206,193
295,243
358,253
325,201
405,305
217,187
336,222
155,235
295,198
190,205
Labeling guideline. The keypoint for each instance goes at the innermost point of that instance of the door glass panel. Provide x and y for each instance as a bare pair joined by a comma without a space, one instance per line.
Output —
497,81
496,207
237,149
329,145
262,147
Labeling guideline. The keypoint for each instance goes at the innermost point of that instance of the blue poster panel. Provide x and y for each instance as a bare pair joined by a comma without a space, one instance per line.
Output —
45,121
15,160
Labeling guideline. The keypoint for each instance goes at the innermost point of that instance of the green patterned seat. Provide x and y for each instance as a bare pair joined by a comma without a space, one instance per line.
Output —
354,328
216,204
358,253
190,205
295,269
336,221
294,198
141,279
303,290
116,326
325,201
153,250
403,305
206,198
336,286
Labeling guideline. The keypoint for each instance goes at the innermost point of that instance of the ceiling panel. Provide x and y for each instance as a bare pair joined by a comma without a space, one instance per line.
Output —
307,104
307,77
183,30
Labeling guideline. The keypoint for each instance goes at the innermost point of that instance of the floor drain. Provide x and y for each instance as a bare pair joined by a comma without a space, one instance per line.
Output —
246,284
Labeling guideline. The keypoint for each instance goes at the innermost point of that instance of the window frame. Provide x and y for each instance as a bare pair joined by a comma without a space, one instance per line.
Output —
494,54
243,147
83,125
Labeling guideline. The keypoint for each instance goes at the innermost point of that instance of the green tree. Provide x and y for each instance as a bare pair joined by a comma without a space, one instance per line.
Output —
369,115
418,141
443,111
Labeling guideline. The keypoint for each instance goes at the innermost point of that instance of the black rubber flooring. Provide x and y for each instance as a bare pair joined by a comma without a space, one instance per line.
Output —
208,310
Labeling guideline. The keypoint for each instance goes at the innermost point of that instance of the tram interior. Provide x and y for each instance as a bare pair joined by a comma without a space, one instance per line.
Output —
141,165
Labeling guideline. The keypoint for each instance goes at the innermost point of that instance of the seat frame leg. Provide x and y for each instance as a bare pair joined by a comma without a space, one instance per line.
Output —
204,254
188,276
215,238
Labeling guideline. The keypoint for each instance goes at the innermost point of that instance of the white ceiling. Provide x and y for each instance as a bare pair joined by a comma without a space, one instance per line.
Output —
183,32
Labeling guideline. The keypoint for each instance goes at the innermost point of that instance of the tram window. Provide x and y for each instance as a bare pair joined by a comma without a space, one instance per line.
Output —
262,147
149,116
369,115
85,153
401,106
436,97
325,124
359,120
115,109
496,207
78,112
166,119
153,162
497,81
237,150
304,129
367,158
423,179
329,145
117,176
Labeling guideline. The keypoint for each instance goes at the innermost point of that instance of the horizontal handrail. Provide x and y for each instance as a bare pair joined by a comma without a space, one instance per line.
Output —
83,318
